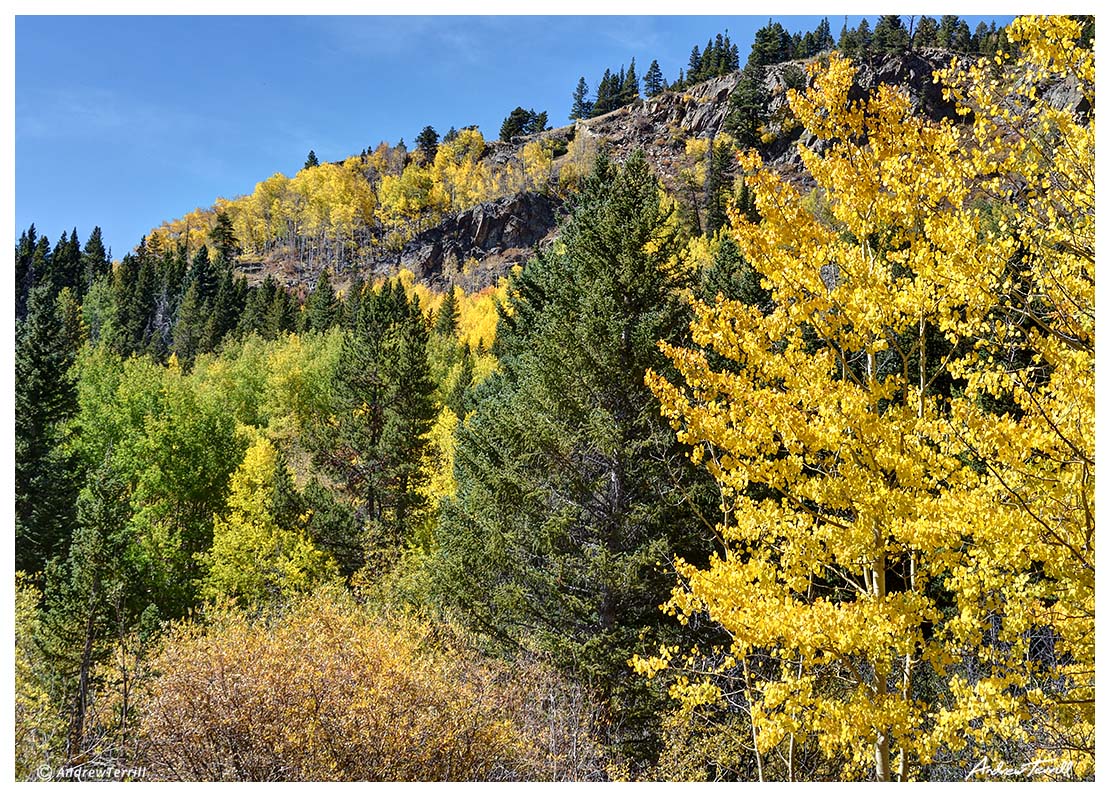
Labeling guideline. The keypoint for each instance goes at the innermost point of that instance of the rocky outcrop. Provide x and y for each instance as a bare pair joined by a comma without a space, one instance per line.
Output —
475,247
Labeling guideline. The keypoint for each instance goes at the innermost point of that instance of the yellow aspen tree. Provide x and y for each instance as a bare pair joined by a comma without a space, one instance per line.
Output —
904,439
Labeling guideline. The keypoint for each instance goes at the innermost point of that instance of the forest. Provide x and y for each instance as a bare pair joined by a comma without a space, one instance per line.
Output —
794,485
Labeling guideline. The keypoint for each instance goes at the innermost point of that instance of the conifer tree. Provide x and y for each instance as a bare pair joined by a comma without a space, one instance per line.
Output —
324,309
568,490
312,161
45,399
427,142
581,107
653,80
630,86
94,260
373,439
447,318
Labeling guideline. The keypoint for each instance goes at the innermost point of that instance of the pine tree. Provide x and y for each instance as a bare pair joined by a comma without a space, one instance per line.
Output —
926,33
223,239
188,332
654,83
373,440
891,35
630,86
311,161
581,107
567,490
324,309
24,269
447,319
94,260
747,107
45,399
427,142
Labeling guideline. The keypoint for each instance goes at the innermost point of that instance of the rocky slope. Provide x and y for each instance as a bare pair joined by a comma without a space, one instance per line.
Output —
475,247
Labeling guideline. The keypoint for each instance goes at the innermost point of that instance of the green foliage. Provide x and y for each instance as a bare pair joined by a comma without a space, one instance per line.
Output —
747,107
260,553
654,83
581,107
374,433
520,122
45,400
570,489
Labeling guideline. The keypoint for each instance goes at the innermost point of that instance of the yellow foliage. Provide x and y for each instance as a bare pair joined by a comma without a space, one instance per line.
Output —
333,692
252,557
905,443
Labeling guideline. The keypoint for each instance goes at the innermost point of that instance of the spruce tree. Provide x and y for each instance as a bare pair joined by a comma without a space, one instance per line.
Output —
427,142
45,400
630,86
581,107
447,318
324,309
373,439
569,482
312,161
94,260
224,240
654,83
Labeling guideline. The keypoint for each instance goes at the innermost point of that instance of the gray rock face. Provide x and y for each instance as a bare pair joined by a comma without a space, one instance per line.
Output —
495,235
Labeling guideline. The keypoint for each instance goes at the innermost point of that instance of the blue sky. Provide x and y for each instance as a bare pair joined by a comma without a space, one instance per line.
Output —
124,122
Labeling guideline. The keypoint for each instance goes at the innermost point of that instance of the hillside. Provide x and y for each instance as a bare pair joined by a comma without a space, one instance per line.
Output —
519,187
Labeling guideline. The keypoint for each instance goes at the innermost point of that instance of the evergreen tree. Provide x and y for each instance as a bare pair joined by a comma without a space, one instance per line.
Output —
926,33
447,319
654,83
864,38
374,438
961,38
204,274
24,269
223,239
94,598
772,45
94,260
224,311
280,317
188,332
693,66
747,107
630,86
427,142
45,399
516,123
891,35
568,480
311,161
352,304
581,107
947,31
324,309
